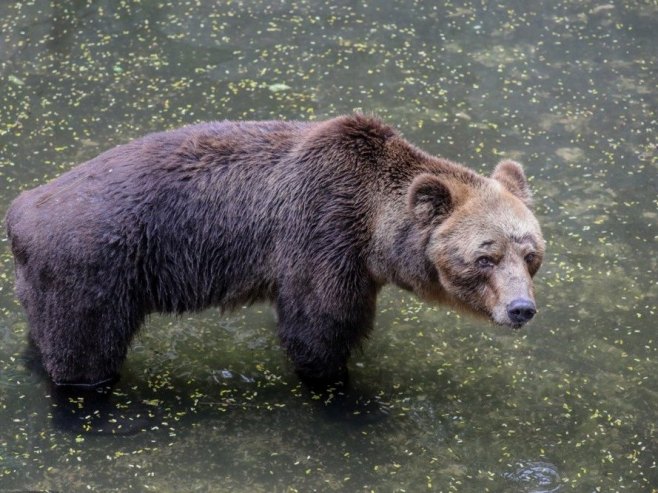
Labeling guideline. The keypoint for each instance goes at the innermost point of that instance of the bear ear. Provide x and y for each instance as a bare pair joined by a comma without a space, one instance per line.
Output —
510,174
429,198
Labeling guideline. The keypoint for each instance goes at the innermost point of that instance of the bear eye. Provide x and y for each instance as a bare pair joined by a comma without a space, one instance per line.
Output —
485,262
530,258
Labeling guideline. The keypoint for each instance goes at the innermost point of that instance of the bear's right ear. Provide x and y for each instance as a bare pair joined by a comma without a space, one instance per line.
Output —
429,198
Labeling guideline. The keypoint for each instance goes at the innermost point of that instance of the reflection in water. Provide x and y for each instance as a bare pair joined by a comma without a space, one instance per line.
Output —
99,411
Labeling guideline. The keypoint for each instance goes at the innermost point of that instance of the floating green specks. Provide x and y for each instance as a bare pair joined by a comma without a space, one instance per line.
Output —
278,87
15,80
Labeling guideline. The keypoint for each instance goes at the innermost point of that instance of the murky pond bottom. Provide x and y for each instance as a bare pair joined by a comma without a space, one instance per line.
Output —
440,402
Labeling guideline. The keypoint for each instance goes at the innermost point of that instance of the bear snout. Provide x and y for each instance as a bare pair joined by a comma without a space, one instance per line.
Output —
520,311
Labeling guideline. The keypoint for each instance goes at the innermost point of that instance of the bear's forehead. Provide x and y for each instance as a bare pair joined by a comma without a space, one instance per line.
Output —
496,218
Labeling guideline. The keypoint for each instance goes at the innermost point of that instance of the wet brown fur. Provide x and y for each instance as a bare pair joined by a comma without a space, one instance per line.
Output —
314,217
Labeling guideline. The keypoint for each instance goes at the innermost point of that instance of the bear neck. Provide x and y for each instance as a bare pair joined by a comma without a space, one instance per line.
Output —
399,248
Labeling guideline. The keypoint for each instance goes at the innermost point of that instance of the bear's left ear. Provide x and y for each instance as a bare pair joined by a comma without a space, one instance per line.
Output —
429,198
510,174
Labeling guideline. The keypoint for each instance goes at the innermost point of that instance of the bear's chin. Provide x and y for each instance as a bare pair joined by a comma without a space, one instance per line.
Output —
502,323
509,325
506,322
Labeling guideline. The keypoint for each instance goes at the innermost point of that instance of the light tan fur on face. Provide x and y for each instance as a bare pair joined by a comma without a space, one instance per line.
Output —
492,223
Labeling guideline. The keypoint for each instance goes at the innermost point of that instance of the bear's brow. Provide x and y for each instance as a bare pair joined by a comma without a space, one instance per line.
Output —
527,238
486,243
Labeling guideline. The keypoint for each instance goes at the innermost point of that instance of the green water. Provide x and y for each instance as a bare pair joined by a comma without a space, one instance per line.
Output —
567,404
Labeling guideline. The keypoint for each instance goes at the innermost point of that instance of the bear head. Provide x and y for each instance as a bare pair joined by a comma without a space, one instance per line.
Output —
484,242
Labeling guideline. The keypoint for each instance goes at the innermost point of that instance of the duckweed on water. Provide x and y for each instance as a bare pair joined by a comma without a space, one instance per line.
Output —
208,401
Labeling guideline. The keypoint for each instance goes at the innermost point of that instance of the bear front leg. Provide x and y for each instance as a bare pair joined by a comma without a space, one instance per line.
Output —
318,362
319,331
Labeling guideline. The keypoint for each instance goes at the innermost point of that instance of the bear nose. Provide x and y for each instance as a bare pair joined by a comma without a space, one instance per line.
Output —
521,310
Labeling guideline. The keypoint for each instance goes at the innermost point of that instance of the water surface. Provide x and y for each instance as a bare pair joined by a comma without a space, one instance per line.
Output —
211,404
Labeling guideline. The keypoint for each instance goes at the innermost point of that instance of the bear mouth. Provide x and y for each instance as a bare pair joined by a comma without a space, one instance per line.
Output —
506,322
514,325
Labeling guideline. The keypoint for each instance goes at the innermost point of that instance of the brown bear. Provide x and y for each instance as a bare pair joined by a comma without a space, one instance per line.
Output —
314,217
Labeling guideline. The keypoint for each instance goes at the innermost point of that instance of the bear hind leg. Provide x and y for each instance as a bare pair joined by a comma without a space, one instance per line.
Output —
84,348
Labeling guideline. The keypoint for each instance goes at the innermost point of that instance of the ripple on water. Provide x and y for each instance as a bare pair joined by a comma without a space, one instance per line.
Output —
535,477
15,377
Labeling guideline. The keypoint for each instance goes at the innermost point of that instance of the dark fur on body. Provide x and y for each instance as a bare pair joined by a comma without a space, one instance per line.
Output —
314,217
